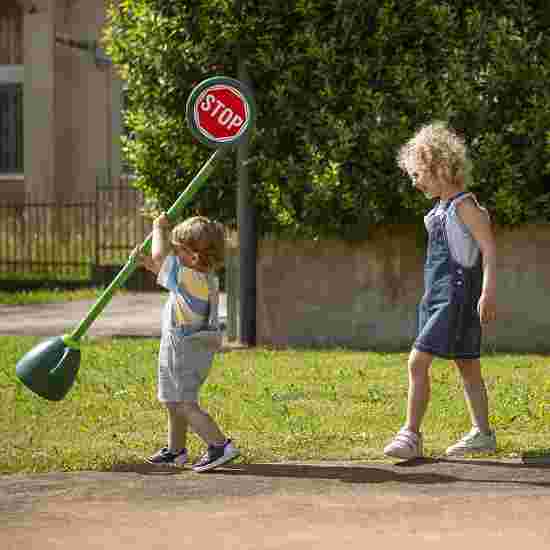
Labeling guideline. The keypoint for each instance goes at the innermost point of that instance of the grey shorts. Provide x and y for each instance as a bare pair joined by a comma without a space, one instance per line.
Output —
183,367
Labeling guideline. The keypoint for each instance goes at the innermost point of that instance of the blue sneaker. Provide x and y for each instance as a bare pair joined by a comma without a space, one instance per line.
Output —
167,457
216,456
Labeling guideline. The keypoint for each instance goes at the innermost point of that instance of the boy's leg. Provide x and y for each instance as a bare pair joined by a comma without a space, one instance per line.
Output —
177,427
202,423
175,453
407,444
419,388
220,449
481,438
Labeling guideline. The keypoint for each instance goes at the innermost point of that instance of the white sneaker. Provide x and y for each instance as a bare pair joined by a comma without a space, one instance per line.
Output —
406,445
474,442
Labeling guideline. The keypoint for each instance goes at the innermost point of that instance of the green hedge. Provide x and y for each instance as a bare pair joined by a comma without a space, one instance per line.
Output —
339,86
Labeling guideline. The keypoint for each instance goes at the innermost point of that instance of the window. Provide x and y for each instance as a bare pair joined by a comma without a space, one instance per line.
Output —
11,129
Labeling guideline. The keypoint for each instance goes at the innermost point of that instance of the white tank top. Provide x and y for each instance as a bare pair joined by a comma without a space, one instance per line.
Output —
462,245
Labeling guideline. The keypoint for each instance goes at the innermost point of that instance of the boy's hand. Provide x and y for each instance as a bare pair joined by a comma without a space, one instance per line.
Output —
144,260
487,308
161,221
137,254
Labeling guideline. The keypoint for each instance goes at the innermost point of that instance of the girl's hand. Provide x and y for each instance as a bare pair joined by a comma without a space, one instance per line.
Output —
487,308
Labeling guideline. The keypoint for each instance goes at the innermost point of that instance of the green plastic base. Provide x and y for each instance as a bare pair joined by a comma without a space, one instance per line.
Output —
49,369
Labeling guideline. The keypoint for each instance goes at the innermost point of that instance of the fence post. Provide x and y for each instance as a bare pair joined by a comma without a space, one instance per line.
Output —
96,228
232,287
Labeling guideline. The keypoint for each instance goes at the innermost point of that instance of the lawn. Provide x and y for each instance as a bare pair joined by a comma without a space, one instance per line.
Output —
23,297
277,405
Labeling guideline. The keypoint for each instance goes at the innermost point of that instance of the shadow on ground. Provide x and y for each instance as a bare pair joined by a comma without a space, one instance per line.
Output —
418,471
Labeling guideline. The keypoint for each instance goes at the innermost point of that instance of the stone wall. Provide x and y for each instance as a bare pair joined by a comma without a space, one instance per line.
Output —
364,296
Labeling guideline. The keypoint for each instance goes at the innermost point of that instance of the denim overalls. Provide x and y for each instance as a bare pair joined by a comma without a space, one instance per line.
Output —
448,321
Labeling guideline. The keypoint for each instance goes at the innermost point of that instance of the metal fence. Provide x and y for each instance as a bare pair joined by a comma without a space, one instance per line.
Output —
71,242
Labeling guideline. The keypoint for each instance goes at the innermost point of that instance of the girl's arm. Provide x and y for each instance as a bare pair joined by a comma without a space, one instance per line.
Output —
160,247
479,225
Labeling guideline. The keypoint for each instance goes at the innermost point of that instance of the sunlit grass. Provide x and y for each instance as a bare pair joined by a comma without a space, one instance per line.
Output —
45,296
277,405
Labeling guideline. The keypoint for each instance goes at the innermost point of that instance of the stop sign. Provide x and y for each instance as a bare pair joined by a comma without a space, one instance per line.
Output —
220,111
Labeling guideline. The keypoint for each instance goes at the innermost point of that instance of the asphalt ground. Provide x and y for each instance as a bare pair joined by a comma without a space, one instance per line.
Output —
126,315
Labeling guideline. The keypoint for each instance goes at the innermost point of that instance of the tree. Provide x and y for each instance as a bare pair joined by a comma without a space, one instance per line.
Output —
339,85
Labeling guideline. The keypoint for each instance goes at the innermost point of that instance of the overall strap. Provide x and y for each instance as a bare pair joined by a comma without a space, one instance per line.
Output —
457,196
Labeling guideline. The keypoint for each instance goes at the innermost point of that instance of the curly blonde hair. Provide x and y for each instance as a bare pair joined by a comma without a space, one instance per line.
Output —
436,144
204,237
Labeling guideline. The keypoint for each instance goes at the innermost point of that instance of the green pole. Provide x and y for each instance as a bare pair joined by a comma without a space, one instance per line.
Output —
196,183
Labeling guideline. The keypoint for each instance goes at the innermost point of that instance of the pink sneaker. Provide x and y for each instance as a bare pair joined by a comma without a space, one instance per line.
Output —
405,444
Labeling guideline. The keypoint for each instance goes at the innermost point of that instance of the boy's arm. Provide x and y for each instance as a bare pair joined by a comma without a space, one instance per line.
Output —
160,247
479,225
144,260
148,263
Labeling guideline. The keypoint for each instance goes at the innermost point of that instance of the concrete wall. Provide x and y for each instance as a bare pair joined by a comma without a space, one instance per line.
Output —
364,296
12,188
84,104
71,104
39,102
11,32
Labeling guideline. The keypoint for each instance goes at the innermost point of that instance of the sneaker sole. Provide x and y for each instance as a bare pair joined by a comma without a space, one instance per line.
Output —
396,455
167,464
464,452
222,460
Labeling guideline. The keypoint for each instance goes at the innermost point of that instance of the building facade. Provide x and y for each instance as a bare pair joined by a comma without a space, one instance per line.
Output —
60,101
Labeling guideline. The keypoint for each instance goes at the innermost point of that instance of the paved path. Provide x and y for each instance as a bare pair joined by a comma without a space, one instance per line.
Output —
329,506
127,314
458,504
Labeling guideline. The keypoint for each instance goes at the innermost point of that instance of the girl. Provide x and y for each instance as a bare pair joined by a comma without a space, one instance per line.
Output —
460,288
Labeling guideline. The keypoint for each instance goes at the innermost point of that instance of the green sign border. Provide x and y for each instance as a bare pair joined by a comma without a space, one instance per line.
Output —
214,81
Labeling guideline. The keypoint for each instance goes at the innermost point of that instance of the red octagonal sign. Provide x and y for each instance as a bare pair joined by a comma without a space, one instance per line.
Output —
221,113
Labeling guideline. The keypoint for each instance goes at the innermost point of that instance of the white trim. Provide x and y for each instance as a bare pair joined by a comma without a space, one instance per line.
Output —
12,177
12,74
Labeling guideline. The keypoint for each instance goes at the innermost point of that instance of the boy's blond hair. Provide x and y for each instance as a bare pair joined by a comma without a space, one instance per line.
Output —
204,237
436,144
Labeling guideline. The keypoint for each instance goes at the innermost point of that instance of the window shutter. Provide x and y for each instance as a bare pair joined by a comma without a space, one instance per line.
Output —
11,128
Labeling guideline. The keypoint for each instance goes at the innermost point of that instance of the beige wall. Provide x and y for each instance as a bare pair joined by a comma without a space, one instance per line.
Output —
364,296
84,152
71,104
39,102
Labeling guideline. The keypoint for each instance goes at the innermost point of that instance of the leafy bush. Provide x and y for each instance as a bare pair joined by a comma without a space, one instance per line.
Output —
339,86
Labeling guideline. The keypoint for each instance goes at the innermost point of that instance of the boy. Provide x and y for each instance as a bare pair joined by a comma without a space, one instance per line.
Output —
190,335
460,288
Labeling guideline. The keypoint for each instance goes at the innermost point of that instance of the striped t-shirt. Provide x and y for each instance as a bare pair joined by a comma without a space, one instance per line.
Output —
188,306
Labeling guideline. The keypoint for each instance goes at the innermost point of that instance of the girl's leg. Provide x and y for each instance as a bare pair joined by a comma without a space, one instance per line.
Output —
407,443
419,388
481,439
475,393
202,423
177,428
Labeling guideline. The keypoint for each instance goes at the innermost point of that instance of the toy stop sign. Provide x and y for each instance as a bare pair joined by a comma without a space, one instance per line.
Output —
220,111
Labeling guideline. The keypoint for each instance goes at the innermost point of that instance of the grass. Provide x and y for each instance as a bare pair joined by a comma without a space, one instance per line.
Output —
277,405
49,296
